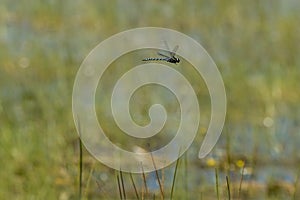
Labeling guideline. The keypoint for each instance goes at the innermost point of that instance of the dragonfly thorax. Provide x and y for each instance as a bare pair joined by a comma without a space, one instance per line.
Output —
177,60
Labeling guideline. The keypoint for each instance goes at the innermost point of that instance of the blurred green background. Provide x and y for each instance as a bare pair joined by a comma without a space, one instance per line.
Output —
255,45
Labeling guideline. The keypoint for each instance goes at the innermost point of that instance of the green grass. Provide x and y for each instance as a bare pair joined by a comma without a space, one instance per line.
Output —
42,44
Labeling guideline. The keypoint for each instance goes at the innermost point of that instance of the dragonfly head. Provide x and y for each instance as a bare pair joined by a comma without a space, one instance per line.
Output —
177,60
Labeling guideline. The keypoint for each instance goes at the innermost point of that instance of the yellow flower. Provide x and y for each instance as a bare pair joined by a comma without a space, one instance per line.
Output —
211,162
240,163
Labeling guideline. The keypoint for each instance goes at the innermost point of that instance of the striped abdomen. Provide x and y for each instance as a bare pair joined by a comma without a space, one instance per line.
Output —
148,59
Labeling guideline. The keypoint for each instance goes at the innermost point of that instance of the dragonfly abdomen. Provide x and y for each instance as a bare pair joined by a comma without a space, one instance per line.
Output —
148,59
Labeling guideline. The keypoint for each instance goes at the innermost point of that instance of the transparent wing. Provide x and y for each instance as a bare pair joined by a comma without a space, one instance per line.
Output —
174,50
168,53
166,45
161,54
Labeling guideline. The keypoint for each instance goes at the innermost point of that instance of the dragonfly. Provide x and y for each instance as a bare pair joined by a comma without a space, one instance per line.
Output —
171,58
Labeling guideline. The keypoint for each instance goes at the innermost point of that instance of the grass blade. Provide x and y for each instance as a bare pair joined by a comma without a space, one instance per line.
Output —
157,177
135,190
80,169
228,187
186,176
80,159
296,185
241,181
89,180
100,187
122,184
217,183
145,182
119,186
174,177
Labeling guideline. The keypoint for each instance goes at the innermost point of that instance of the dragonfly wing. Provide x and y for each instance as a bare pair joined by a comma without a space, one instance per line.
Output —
161,54
166,45
174,50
